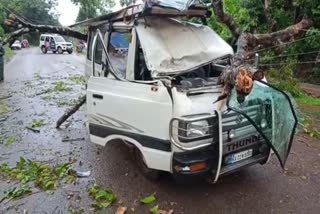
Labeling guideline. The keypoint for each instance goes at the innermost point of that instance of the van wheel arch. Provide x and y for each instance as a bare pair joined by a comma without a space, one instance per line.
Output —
136,150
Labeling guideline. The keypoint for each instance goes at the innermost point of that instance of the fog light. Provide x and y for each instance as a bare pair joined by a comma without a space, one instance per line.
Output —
263,123
232,134
198,166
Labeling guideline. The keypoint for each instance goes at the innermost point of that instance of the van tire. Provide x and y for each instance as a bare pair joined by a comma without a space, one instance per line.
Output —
60,51
150,174
70,51
44,50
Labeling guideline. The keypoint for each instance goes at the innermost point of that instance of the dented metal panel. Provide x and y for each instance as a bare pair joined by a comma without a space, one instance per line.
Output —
171,46
179,5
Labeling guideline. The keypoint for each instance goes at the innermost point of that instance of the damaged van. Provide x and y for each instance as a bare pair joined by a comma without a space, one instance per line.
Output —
153,83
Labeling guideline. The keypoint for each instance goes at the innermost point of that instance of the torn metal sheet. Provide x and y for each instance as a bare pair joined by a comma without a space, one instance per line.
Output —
179,5
172,47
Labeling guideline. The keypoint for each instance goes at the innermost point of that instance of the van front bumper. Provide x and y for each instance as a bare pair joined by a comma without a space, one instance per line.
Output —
205,162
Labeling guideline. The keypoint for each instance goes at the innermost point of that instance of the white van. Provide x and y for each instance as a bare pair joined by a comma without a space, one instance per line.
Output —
54,43
152,84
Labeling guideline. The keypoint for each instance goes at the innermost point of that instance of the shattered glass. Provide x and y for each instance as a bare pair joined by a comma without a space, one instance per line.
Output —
275,120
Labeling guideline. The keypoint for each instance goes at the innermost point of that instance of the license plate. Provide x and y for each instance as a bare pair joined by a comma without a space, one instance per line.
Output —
230,159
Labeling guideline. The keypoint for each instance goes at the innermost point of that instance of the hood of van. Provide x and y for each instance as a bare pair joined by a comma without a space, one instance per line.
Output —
172,47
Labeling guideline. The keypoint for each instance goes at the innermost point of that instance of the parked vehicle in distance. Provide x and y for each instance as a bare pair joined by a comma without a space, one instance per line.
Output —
54,43
153,84
16,45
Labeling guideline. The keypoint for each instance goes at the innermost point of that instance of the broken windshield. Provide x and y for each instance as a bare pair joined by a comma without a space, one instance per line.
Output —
276,121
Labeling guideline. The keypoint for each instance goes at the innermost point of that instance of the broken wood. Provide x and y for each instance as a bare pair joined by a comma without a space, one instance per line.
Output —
72,140
5,97
71,111
32,129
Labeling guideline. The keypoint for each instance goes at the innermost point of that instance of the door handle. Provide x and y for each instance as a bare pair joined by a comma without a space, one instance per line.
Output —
97,96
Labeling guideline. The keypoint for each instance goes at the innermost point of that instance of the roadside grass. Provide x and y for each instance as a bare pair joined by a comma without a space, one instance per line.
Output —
8,53
307,99
309,106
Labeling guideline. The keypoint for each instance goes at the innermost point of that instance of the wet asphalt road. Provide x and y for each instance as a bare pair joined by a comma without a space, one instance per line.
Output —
258,189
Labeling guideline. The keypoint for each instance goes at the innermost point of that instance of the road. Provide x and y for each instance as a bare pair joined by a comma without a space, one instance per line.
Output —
258,189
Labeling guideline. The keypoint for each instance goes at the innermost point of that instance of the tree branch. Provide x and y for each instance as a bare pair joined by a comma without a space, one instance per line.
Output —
27,27
226,18
248,41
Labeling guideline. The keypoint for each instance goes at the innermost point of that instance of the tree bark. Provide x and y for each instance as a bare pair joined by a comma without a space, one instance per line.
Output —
71,111
26,27
226,18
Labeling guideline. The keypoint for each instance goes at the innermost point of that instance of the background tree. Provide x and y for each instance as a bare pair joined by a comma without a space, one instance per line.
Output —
93,8
35,11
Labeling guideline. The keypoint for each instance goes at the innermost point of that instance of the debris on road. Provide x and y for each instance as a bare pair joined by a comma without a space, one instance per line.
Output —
149,199
72,140
121,210
82,174
5,97
103,197
32,129
71,111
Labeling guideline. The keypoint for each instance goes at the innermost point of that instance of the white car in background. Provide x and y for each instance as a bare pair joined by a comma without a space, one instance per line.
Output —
16,45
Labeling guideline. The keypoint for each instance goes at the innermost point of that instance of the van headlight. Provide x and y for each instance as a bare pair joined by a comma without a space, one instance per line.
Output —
197,129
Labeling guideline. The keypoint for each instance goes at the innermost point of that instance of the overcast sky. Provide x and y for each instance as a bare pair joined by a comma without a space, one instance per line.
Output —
68,11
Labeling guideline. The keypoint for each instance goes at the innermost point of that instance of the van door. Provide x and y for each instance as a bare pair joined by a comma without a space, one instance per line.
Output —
276,122
118,108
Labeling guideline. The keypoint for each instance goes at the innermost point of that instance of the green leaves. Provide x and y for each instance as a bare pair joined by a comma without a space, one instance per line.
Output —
155,209
60,86
36,123
149,199
3,107
44,176
16,192
10,140
103,197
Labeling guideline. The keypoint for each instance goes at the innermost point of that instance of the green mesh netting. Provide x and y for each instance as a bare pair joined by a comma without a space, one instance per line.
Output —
275,118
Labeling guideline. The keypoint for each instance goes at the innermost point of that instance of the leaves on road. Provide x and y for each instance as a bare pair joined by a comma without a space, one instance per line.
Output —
60,86
148,199
78,79
103,197
10,140
16,192
36,123
44,176
3,107
155,209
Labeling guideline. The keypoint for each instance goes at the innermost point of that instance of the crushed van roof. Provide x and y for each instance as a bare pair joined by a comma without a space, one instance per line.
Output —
173,47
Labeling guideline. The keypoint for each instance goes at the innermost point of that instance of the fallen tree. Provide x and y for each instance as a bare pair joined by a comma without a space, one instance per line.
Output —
248,41
22,27
236,75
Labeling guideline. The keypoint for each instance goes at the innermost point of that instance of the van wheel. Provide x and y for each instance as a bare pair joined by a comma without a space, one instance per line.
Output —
43,49
69,51
60,51
150,174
